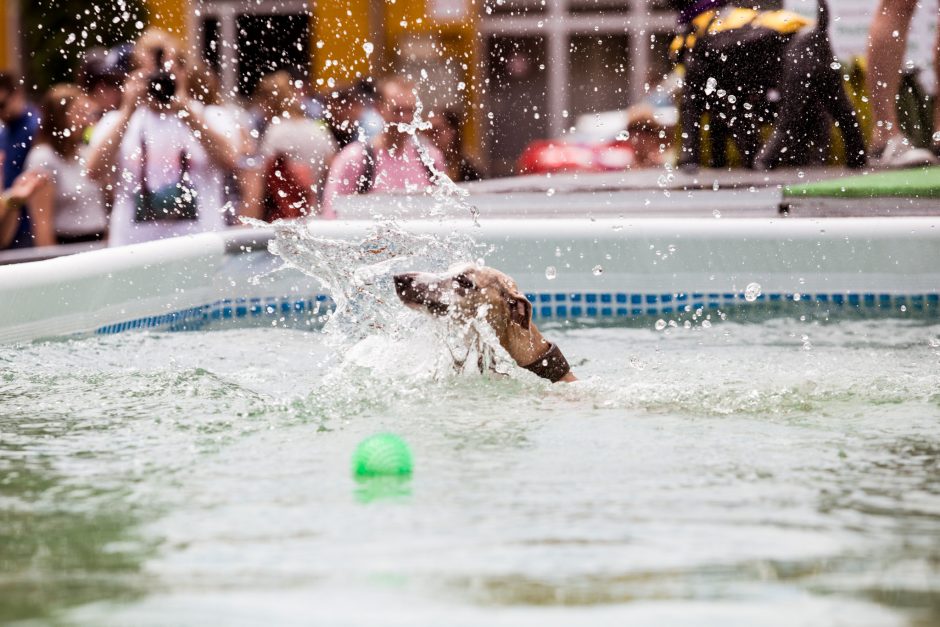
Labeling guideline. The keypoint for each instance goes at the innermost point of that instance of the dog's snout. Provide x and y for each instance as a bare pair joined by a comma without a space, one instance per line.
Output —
404,282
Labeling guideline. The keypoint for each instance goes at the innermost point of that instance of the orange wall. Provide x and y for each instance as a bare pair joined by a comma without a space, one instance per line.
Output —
339,30
6,46
170,15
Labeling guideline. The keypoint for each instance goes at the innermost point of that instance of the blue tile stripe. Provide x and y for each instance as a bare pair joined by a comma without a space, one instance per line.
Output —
559,305
545,306
195,318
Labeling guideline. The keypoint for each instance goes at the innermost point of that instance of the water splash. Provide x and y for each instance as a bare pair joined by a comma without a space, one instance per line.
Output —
752,292
446,194
358,275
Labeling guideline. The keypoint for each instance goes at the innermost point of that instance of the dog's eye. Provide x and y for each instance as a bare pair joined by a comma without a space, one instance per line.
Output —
462,281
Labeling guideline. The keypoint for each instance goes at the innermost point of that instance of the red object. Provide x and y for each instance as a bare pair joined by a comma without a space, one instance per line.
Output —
550,156
288,189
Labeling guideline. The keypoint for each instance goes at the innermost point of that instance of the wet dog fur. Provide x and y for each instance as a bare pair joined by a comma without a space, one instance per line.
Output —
468,292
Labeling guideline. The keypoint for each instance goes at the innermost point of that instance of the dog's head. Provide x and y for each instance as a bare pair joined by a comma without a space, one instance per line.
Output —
466,292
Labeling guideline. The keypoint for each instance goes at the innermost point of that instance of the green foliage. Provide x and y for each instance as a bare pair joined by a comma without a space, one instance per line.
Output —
56,34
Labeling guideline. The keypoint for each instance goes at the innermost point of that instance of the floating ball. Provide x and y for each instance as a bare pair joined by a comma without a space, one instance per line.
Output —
382,455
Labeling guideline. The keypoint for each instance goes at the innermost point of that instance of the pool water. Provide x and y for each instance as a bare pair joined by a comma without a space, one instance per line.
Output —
780,472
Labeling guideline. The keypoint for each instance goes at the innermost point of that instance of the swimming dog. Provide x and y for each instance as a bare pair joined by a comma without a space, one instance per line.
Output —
737,60
470,292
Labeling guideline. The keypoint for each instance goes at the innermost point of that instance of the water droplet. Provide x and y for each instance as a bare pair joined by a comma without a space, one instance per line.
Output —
660,324
710,85
835,65
706,324
551,273
368,48
597,270
752,292
936,136
716,213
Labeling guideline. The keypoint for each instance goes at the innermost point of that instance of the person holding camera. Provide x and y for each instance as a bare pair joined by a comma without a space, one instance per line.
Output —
164,156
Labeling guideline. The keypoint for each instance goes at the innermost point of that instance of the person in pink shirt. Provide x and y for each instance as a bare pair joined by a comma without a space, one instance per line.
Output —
391,162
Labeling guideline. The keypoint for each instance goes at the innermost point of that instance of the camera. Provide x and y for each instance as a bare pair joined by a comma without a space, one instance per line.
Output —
162,85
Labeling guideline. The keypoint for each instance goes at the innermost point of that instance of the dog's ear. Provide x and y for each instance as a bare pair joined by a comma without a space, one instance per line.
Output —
520,309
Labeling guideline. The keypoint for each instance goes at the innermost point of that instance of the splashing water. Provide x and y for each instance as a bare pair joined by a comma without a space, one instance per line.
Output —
752,292
446,194
369,327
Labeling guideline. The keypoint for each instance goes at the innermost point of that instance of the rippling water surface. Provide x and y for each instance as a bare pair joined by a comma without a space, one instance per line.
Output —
773,473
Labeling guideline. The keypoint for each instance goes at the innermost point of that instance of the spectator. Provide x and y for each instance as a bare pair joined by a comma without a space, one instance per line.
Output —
20,126
12,199
68,207
887,42
295,151
649,138
310,104
165,155
392,162
445,132
102,75
351,115
203,86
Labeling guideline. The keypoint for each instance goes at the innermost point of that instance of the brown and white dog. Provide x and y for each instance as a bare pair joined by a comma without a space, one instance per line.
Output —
470,292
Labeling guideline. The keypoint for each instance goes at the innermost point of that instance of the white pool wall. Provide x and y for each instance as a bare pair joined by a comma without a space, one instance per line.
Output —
654,264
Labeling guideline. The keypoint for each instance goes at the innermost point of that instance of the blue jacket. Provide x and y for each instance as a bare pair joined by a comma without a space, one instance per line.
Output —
16,138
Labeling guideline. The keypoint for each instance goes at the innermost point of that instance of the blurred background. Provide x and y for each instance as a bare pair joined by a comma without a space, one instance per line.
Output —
517,70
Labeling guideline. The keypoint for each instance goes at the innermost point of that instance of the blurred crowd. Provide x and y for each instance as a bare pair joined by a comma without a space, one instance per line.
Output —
144,145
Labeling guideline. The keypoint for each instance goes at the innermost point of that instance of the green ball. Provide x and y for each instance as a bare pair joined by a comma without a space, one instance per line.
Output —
382,455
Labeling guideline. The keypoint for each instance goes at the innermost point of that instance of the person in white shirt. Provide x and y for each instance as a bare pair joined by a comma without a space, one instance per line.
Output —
69,207
166,156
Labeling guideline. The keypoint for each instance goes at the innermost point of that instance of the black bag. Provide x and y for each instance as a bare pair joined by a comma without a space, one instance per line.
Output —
174,202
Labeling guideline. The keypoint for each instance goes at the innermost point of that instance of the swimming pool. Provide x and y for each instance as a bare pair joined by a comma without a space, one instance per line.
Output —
774,473
731,455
